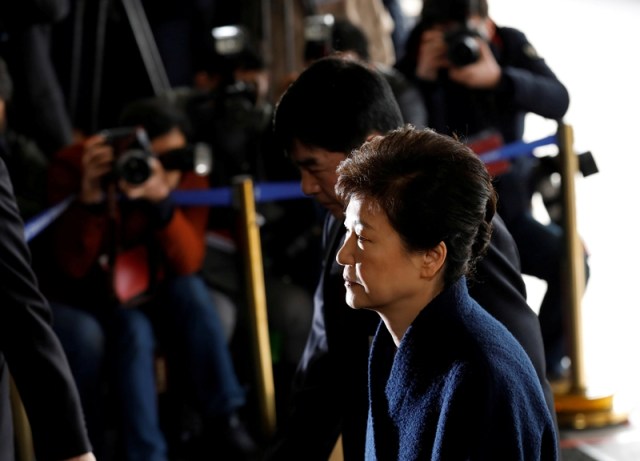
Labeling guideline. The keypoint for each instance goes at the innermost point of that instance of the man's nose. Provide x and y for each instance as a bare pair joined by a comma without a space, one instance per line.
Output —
308,184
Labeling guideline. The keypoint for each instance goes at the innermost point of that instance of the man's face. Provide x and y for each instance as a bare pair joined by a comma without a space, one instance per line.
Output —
318,175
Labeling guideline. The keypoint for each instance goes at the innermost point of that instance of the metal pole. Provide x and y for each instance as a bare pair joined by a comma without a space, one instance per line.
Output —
578,407
23,437
147,45
259,325
575,256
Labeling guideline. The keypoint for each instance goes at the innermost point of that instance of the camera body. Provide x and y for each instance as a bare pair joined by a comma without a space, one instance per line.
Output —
462,45
462,41
231,117
132,153
318,36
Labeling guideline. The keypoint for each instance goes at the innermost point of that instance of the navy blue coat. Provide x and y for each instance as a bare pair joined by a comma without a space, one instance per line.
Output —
330,388
458,387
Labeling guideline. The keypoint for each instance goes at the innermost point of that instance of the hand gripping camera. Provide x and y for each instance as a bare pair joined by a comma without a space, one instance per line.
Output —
462,46
132,153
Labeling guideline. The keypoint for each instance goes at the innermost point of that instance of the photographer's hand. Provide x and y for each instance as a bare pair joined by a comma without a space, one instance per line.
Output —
432,55
97,161
485,73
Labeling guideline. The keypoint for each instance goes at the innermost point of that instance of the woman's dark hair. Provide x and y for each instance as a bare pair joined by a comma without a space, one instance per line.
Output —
335,104
432,188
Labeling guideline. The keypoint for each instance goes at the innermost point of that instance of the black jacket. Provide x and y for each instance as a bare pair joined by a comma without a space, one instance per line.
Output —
31,350
330,389
527,85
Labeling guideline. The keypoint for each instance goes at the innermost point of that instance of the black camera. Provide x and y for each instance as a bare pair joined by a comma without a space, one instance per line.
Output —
462,42
132,153
318,36
462,46
231,117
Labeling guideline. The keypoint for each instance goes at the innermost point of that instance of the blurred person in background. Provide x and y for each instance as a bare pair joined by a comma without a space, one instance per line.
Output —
125,282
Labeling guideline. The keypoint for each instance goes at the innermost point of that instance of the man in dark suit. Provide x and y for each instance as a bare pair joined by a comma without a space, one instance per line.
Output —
32,352
332,108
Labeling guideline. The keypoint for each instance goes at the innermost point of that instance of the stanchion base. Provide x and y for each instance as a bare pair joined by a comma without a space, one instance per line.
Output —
585,410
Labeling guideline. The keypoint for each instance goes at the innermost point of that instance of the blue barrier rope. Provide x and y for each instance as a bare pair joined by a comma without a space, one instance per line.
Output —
223,196
267,192
42,220
516,149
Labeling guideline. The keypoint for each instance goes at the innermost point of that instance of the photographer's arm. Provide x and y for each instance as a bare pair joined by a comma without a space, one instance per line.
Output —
78,234
180,230
527,82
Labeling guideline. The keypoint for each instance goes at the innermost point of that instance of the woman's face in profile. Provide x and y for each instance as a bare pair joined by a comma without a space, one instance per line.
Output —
379,271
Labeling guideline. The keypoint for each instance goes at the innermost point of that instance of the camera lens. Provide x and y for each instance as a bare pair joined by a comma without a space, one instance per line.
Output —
462,48
133,166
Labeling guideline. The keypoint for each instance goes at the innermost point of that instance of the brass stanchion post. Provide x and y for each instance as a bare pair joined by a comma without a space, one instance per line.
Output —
578,407
22,428
254,281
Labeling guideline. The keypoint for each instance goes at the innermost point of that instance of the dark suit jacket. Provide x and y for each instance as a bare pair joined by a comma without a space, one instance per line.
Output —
330,389
31,350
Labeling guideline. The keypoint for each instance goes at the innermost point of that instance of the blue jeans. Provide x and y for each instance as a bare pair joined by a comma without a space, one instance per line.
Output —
183,321
184,318
84,342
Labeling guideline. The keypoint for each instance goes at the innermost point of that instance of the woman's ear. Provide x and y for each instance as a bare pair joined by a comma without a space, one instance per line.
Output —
433,260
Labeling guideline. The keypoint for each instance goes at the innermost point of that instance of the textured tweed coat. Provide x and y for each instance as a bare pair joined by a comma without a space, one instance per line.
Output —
459,387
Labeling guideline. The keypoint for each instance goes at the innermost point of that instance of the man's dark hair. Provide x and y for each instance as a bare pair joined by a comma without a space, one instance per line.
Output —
335,104
438,11
157,117
346,36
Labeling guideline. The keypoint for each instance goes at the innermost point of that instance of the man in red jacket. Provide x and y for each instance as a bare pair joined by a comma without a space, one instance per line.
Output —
127,261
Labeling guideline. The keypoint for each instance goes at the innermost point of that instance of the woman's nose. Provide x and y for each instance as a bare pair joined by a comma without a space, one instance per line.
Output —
344,257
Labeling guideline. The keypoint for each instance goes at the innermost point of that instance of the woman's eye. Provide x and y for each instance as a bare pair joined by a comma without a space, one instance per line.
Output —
360,238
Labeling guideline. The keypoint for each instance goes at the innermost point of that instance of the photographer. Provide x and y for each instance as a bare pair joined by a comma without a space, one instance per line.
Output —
125,263
479,80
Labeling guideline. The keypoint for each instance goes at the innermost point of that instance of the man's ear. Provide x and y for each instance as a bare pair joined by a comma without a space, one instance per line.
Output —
372,135
433,260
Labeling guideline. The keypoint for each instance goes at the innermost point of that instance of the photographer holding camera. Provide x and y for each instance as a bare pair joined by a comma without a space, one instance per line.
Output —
126,264
479,80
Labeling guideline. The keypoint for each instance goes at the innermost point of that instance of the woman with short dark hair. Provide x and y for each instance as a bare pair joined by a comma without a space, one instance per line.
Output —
446,380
